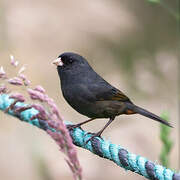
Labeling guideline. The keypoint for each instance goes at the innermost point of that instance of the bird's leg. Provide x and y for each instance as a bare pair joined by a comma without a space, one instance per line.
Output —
71,126
98,134
107,124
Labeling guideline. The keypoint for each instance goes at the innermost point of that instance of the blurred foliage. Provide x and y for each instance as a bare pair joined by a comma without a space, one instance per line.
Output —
152,37
167,143
170,10
154,1
41,167
3,30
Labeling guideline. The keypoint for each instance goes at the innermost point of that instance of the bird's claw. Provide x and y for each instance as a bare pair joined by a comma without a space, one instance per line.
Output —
94,135
72,126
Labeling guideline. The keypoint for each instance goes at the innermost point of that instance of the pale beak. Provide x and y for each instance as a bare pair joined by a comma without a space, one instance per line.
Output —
58,62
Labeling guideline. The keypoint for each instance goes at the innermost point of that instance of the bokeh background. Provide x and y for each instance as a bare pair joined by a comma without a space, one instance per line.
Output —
132,44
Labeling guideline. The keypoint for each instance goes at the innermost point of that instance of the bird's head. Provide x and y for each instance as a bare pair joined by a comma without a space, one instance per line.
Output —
69,60
71,65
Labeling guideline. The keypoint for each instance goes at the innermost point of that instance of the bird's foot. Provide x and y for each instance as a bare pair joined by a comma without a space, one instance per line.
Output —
72,126
94,135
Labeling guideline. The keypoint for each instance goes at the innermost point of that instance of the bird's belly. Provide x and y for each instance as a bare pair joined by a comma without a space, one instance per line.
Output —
96,109
80,100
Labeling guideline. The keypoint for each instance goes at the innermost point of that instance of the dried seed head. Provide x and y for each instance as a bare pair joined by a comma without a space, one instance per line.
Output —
36,95
25,80
2,72
3,89
15,81
13,61
23,68
18,97
40,89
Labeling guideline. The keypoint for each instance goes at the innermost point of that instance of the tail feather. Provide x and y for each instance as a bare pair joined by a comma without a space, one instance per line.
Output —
148,114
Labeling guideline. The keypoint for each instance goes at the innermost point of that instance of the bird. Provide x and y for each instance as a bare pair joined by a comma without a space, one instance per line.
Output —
90,95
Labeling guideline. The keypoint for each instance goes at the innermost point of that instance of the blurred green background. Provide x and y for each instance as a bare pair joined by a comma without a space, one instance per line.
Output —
132,44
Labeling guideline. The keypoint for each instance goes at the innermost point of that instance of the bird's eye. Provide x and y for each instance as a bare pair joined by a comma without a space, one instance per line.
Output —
70,60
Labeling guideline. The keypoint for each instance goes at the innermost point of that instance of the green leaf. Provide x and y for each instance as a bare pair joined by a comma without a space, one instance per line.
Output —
167,143
154,1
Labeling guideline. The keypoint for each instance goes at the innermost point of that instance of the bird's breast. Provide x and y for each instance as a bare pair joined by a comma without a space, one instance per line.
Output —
79,98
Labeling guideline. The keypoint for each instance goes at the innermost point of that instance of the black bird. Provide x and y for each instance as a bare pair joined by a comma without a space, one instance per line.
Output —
90,95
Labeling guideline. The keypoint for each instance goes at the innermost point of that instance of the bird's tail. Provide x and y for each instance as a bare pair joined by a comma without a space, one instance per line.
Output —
139,110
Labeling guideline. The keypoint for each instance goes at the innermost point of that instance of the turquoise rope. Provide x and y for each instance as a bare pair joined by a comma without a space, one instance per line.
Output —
99,146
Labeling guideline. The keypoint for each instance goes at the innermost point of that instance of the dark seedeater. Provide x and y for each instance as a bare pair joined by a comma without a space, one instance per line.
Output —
90,95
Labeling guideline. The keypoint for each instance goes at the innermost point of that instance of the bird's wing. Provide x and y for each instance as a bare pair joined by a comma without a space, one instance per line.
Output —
112,94
104,91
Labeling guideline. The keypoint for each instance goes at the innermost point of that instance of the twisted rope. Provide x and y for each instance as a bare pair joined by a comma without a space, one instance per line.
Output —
98,146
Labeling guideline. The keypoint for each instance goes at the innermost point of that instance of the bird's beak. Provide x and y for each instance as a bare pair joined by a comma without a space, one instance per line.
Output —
58,62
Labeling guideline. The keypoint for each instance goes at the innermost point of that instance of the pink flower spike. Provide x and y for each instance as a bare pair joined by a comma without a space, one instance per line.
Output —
21,109
42,112
65,144
15,81
39,107
40,89
2,72
13,61
16,63
18,97
36,95
59,139
54,109
23,68
25,80
22,76
3,89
